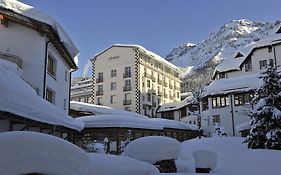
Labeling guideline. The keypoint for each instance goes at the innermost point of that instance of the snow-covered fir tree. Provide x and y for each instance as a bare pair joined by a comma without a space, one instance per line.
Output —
266,116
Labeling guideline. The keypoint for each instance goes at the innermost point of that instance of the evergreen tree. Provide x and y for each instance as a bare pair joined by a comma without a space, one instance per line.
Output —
266,117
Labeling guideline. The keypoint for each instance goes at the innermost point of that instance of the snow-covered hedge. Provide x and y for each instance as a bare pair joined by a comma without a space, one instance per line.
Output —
205,159
104,164
153,149
25,152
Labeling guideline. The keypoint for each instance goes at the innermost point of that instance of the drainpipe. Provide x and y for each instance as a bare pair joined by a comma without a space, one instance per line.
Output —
232,114
45,68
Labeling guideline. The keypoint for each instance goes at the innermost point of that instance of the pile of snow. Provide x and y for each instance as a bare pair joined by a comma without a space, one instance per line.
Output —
243,126
119,121
153,149
236,84
97,109
205,159
31,12
233,157
30,152
166,123
19,98
104,164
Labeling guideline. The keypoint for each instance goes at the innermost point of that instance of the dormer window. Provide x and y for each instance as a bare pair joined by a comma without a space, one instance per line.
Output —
222,75
239,55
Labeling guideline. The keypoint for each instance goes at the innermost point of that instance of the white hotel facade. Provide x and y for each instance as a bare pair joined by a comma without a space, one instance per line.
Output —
132,78
227,100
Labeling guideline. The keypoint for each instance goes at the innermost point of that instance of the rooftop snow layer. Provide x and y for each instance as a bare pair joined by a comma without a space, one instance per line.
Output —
24,152
31,12
113,120
166,123
176,105
97,109
237,84
19,98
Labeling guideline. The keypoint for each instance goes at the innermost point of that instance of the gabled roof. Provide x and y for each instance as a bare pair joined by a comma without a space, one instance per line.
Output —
142,49
31,17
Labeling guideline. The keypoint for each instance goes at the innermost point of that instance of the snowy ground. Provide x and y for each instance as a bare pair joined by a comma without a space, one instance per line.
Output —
234,158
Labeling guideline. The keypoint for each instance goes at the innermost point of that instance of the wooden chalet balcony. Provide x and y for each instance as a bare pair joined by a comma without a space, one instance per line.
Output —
12,58
127,102
127,88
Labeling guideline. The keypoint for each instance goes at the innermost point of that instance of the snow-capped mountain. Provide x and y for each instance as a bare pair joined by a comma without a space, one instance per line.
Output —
201,59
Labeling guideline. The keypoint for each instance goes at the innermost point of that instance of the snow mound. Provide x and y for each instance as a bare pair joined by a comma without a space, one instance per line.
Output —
153,149
30,152
103,164
205,159
19,98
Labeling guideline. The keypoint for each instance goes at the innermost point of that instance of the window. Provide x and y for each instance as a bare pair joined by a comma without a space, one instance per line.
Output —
205,104
248,65
263,64
178,95
99,101
127,82
148,97
216,119
269,48
222,75
168,115
127,72
241,99
64,104
113,99
271,62
127,96
100,90
113,86
148,83
100,77
127,108
113,73
50,95
51,65
220,102
65,75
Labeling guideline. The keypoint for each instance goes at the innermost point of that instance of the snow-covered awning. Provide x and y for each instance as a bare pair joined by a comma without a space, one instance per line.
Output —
24,152
19,98
97,109
33,13
231,85
176,105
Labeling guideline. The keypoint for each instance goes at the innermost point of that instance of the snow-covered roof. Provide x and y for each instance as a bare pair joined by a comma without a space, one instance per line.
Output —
166,123
232,63
24,152
119,121
176,105
31,12
19,98
105,164
97,109
237,84
150,53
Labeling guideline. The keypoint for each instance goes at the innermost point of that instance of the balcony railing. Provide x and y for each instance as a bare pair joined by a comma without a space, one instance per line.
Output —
99,93
126,88
99,80
127,75
12,58
127,102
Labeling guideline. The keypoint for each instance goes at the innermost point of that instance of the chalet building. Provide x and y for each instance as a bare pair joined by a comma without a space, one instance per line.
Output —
227,100
180,111
81,91
132,78
36,58
41,48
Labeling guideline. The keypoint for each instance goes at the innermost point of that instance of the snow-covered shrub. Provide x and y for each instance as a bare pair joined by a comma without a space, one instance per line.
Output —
24,152
205,159
153,149
219,131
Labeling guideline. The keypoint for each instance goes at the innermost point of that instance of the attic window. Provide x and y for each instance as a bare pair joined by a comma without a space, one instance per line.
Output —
239,55
4,21
269,48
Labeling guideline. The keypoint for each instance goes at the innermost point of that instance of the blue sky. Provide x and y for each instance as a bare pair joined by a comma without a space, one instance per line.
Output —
158,25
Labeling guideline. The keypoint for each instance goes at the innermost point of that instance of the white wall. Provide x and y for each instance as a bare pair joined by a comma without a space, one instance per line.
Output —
29,45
